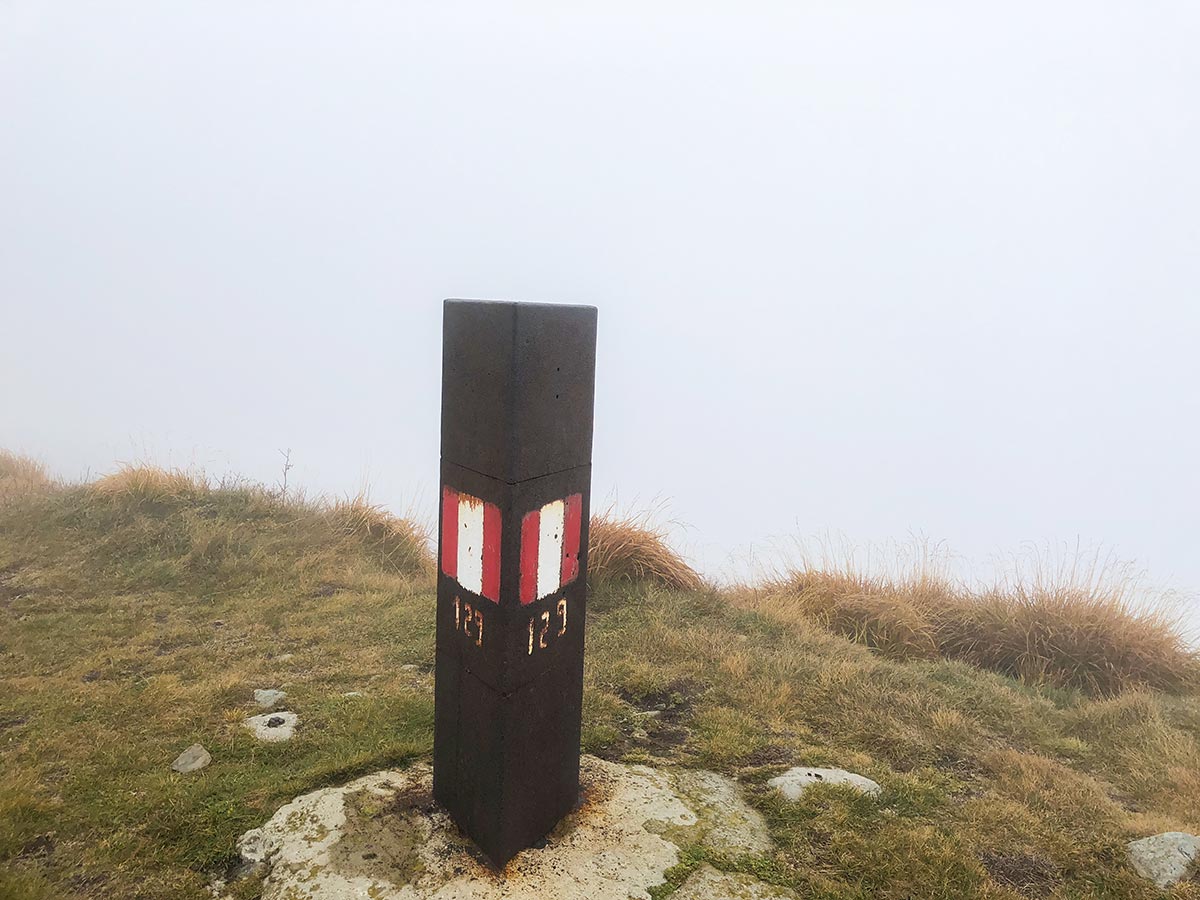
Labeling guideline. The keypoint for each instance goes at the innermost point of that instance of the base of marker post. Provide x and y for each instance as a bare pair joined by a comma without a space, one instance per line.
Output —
506,766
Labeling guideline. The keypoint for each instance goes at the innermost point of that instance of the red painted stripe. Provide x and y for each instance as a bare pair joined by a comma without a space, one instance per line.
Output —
530,528
449,546
491,552
572,520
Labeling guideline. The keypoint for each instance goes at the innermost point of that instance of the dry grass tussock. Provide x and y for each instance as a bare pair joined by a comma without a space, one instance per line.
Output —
1085,624
403,542
151,484
220,508
631,548
21,475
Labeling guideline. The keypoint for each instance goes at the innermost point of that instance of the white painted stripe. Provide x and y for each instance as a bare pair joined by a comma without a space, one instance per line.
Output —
470,543
549,576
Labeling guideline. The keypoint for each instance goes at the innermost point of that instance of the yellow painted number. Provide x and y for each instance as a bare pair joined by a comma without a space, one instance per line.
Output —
539,637
469,621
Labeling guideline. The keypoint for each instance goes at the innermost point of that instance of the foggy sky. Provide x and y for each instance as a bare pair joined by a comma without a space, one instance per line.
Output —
876,269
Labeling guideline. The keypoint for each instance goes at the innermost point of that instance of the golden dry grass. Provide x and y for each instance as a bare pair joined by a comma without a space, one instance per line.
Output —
1076,627
884,614
399,544
21,475
633,549
1068,636
150,484
204,521
403,543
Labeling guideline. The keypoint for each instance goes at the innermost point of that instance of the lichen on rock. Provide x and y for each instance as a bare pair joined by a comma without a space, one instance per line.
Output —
1165,858
724,822
383,837
706,883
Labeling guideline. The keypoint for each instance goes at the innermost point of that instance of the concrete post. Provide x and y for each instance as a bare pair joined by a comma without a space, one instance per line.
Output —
518,382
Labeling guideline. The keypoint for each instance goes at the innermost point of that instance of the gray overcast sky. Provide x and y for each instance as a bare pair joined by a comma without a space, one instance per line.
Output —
870,268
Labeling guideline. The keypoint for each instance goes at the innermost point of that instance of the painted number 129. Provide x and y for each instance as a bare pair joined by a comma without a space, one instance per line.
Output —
540,627
469,621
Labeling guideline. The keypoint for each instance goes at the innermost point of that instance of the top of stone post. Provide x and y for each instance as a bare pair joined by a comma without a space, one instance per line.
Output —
518,381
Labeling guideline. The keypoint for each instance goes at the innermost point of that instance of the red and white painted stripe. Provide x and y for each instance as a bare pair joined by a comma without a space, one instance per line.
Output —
550,547
471,543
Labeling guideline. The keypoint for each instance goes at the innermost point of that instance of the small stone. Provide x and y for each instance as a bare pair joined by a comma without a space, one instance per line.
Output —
284,657
352,694
192,759
273,727
251,847
1164,858
269,698
706,883
795,782
409,667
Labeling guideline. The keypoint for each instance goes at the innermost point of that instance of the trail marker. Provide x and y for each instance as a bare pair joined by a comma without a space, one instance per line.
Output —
518,383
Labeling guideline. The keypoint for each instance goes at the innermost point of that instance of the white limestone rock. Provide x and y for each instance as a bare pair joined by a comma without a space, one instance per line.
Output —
794,782
269,699
193,759
382,837
706,883
1164,858
274,726
733,827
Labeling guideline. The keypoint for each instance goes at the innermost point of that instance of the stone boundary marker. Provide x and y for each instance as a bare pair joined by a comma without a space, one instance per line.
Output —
518,383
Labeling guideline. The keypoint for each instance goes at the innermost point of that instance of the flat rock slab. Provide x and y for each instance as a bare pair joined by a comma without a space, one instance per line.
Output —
794,782
192,759
383,837
273,727
268,698
1164,858
733,827
706,883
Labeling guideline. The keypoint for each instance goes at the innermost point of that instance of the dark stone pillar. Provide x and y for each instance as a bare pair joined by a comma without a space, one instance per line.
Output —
518,383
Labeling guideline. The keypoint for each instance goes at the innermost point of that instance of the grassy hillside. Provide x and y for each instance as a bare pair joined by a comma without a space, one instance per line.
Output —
138,614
